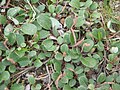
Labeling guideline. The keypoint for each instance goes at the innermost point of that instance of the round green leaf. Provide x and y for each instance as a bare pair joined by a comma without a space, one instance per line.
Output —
31,79
44,21
13,11
58,56
2,19
64,48
69,22
72,82
5,75
94,6
23,61
87,45
17,87
75,4
37,63
47,43
118,79
11,38
67,58
51,8
89,62
12,68
8,29
20,39
80,21
67,87
29,29
32,53
2,67
101,78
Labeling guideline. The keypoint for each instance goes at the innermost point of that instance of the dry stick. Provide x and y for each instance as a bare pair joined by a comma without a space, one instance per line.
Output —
6,6
22,72
73,30
64,7
5,43
48,73
114,34
59,77
79,42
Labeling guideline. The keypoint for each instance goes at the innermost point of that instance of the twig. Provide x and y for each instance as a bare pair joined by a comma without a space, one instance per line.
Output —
5,43
59,77
72,30
22,72
64,7
79,42
6,6
48,73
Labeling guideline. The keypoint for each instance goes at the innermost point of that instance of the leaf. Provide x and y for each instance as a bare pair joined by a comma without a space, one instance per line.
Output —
11,38
88,3
55,75
34,1
5,75
44,34
101,78
57,66
89,62
69,22
67,58
12,68
96,15
78,70
118,79
2,47
2,67
64,79
31,79
94,6
109,25
8,29
55,23
32,53
75,4
69,74
114,50
29,29
83,80
100,46
38,63
72,82
17,87
13,11
64,48
115,86
82,87
51,8
80,21
41,8
67,87
44,21
47,43
23,61
58,56
87,45
2,19
58,9
99,34
20,39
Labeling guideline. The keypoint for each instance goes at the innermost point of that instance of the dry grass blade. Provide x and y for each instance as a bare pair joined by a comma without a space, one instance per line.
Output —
79,42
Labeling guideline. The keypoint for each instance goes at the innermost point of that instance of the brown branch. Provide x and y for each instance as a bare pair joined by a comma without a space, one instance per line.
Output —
79,42
59,77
